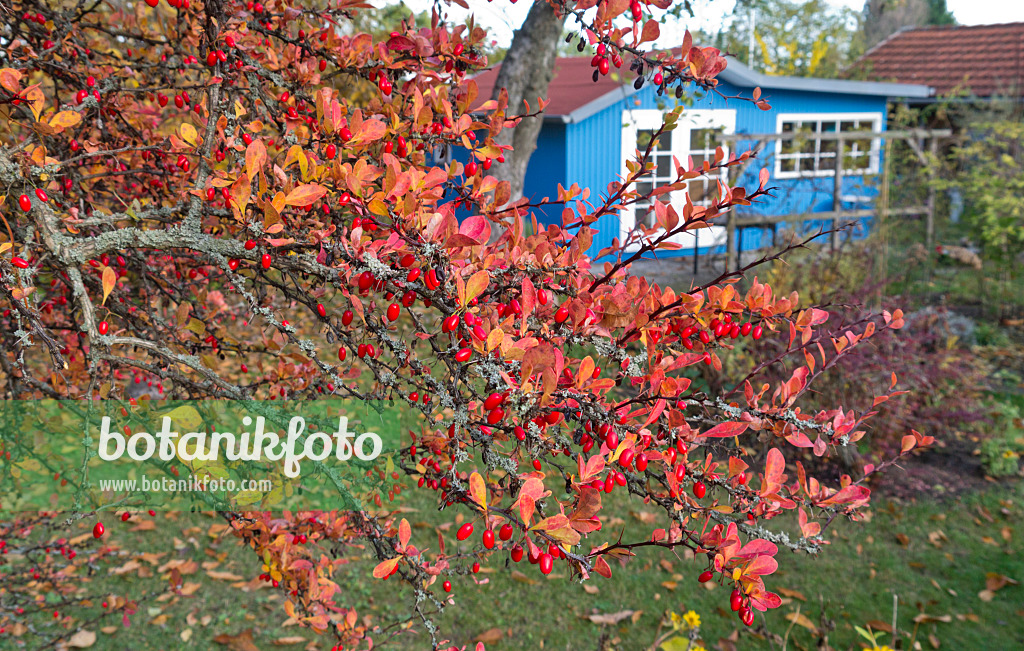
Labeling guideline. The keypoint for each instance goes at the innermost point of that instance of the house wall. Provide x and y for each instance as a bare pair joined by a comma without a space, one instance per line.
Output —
590,151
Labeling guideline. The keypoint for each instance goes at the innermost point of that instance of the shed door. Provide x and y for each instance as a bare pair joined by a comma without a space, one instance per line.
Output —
697,135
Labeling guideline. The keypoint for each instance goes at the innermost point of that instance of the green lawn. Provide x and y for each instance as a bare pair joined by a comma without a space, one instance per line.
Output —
933,555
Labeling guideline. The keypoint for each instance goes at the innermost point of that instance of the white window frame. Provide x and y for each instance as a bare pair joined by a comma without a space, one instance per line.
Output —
839,118
643,119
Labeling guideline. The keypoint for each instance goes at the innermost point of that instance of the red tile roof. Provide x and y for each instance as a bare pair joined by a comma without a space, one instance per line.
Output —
984,59
572,86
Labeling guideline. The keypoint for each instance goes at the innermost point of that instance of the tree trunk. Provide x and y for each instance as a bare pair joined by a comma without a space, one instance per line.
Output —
526,73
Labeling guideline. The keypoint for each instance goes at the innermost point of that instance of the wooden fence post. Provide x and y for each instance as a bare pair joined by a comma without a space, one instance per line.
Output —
929,224
837,195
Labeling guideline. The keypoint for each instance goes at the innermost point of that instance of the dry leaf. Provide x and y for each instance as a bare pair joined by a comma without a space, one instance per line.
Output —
794,594
224,576
241,642
490,636
800,619
186,635
522,578
590,589
82,640
288,641
610,618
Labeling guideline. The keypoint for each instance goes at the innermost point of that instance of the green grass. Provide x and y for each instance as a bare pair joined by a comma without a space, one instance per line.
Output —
924,552
853,582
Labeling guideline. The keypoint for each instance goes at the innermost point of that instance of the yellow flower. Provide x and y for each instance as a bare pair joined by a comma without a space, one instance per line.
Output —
1009,454
698,648
676,620
692,619
884,647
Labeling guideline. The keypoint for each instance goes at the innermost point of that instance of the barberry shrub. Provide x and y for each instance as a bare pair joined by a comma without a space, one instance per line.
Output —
195,211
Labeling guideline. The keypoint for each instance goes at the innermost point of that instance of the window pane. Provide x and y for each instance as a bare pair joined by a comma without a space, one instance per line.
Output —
788,165
827,164
808,146
807,164
644,188
665,166
665,141
849,126
866,125
698,160
788,127
828,147
828,127
643,138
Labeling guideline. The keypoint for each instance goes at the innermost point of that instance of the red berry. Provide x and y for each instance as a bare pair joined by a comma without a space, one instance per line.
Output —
471,168
332,151
489,539
463,354
342,353
153,3
705,576
125,516
757,332
561,314
735,600
505,532
393,312
41,193
250,245
447,585
20,263
517,554
25,202
103,327
321,310
265,261
346,318
495,416
546,563
641,462
98,530
493,400
465,531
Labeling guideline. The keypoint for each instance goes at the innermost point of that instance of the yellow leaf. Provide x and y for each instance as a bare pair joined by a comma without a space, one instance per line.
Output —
188,133
305,194
255,157
384,568
476,285
478,490
109,280
65,119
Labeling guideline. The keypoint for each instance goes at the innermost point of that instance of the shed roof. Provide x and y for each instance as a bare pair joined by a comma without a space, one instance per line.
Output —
987,59
575,96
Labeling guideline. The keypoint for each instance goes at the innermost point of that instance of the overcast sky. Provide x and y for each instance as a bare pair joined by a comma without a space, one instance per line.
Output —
501,17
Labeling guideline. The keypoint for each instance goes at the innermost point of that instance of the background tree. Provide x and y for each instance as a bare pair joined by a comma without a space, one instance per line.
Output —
192,203
792,37
884,17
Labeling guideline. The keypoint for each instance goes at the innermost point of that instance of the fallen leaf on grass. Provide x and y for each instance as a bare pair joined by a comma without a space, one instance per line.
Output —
109,630
924,618
186,635
82,640
241,642
225,576
877,625
522,578
995,581
794,594
903,539
800,619
288,641
590,589
610,618
934,641
490,636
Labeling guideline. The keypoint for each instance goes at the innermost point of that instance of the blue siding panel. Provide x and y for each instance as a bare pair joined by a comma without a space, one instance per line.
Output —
588,152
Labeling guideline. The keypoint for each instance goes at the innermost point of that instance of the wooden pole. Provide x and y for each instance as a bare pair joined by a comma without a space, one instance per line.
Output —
837,195
929,224
731,245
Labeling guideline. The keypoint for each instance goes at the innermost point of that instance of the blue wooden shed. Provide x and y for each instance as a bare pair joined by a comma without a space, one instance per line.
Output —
591,128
